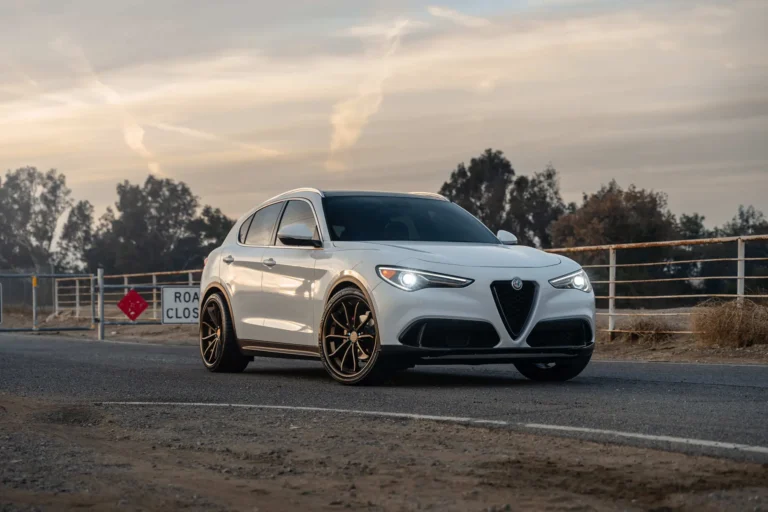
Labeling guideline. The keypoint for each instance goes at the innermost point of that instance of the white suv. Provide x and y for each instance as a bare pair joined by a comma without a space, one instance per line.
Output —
370,283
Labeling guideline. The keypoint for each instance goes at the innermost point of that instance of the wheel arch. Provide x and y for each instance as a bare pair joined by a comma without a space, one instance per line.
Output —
219,288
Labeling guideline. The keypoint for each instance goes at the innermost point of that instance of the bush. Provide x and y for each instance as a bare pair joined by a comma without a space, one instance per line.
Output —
731,324
646,329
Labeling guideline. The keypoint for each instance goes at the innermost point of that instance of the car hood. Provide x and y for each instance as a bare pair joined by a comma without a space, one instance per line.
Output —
474,255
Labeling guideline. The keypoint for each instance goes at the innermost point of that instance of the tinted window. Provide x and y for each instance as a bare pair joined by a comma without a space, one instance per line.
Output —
263,224
244,229
371,218
299,212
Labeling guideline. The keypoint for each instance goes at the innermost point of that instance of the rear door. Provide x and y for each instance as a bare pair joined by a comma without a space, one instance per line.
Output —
242,269
289,280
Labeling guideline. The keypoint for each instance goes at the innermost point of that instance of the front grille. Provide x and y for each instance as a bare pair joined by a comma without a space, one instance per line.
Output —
514,306
560,333
449,333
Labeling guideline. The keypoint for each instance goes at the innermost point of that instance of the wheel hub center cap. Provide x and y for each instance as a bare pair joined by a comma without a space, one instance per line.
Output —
353,337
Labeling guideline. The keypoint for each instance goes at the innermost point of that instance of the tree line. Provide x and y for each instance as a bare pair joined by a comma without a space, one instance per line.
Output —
161,225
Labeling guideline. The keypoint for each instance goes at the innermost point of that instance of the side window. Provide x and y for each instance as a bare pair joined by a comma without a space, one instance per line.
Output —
299,212
244,229
262,225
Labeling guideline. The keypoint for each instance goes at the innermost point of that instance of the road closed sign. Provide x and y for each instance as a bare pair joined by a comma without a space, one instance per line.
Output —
181,304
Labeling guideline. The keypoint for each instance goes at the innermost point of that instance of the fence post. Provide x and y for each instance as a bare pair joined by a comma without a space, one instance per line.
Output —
611,293
154,297
77,298
101,303
93,301
55,297
191,279
125,283
34,303
740,270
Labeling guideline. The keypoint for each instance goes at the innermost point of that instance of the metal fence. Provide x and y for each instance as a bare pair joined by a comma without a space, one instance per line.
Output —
605,265
69,297
654,279
42,289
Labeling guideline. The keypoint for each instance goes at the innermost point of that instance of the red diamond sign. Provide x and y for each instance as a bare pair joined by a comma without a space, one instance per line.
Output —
133,305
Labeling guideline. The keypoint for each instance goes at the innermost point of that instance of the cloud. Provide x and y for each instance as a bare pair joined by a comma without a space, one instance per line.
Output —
457,17
197,134
350,116
133,133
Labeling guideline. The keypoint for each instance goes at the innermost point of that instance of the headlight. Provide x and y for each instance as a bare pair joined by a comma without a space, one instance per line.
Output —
576,281
412,280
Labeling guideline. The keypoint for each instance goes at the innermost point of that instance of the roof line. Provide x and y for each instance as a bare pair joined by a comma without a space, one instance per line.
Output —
430,194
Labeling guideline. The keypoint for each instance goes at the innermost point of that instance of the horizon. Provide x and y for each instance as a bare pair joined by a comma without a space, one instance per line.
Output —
391,96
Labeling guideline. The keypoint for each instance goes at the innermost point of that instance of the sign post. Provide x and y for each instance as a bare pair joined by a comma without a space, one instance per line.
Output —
1,304
180,304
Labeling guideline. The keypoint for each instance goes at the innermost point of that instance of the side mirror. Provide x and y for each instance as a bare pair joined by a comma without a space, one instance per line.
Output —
506,237
298,234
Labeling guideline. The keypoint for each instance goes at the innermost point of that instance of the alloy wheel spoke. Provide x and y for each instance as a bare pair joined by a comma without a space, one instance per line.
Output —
354,314
206,338
365,336
342,336
341,366
346,316
211,327
338,323
338,348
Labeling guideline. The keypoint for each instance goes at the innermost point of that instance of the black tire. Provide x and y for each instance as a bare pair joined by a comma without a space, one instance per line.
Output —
218,343
375,369
556,371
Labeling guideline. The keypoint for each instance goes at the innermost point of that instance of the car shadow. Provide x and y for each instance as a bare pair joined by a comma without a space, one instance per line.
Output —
425,377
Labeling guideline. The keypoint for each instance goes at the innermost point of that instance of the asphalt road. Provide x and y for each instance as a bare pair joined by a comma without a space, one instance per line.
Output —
725,403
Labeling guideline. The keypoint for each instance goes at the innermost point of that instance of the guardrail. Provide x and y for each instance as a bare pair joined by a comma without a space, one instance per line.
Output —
609,253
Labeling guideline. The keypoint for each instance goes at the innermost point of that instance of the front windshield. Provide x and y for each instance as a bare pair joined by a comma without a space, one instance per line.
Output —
394,218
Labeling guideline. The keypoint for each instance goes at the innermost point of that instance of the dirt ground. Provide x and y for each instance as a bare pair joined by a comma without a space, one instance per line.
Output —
61,456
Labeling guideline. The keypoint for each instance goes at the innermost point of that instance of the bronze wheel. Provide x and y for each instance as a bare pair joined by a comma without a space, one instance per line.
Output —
349,341
218,344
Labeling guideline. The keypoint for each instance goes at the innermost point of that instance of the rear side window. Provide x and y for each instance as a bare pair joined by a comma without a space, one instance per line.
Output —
260,232
244,230
299,212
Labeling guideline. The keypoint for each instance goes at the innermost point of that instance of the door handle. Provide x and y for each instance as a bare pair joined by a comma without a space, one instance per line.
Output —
228,259
269,262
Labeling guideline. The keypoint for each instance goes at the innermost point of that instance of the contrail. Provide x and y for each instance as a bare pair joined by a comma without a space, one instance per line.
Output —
197,134
133,133
350,116
458,17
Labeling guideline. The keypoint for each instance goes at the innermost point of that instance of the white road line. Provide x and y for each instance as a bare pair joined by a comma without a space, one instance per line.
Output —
665,439
406,415
472,421
682,363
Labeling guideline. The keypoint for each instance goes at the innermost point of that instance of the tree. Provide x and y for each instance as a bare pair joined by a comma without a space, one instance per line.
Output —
525,206
482,188
613,215
32,207
534,204
155,227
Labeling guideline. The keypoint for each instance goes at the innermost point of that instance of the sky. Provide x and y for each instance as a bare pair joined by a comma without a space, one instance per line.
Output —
244,100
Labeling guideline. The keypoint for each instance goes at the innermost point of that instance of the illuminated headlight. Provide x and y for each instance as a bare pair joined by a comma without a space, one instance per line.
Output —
575,281
412,280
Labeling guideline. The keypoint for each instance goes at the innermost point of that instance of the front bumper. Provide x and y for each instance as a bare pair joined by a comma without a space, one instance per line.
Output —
397,310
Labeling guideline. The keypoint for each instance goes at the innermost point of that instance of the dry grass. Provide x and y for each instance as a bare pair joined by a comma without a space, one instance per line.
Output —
731,324
646,329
